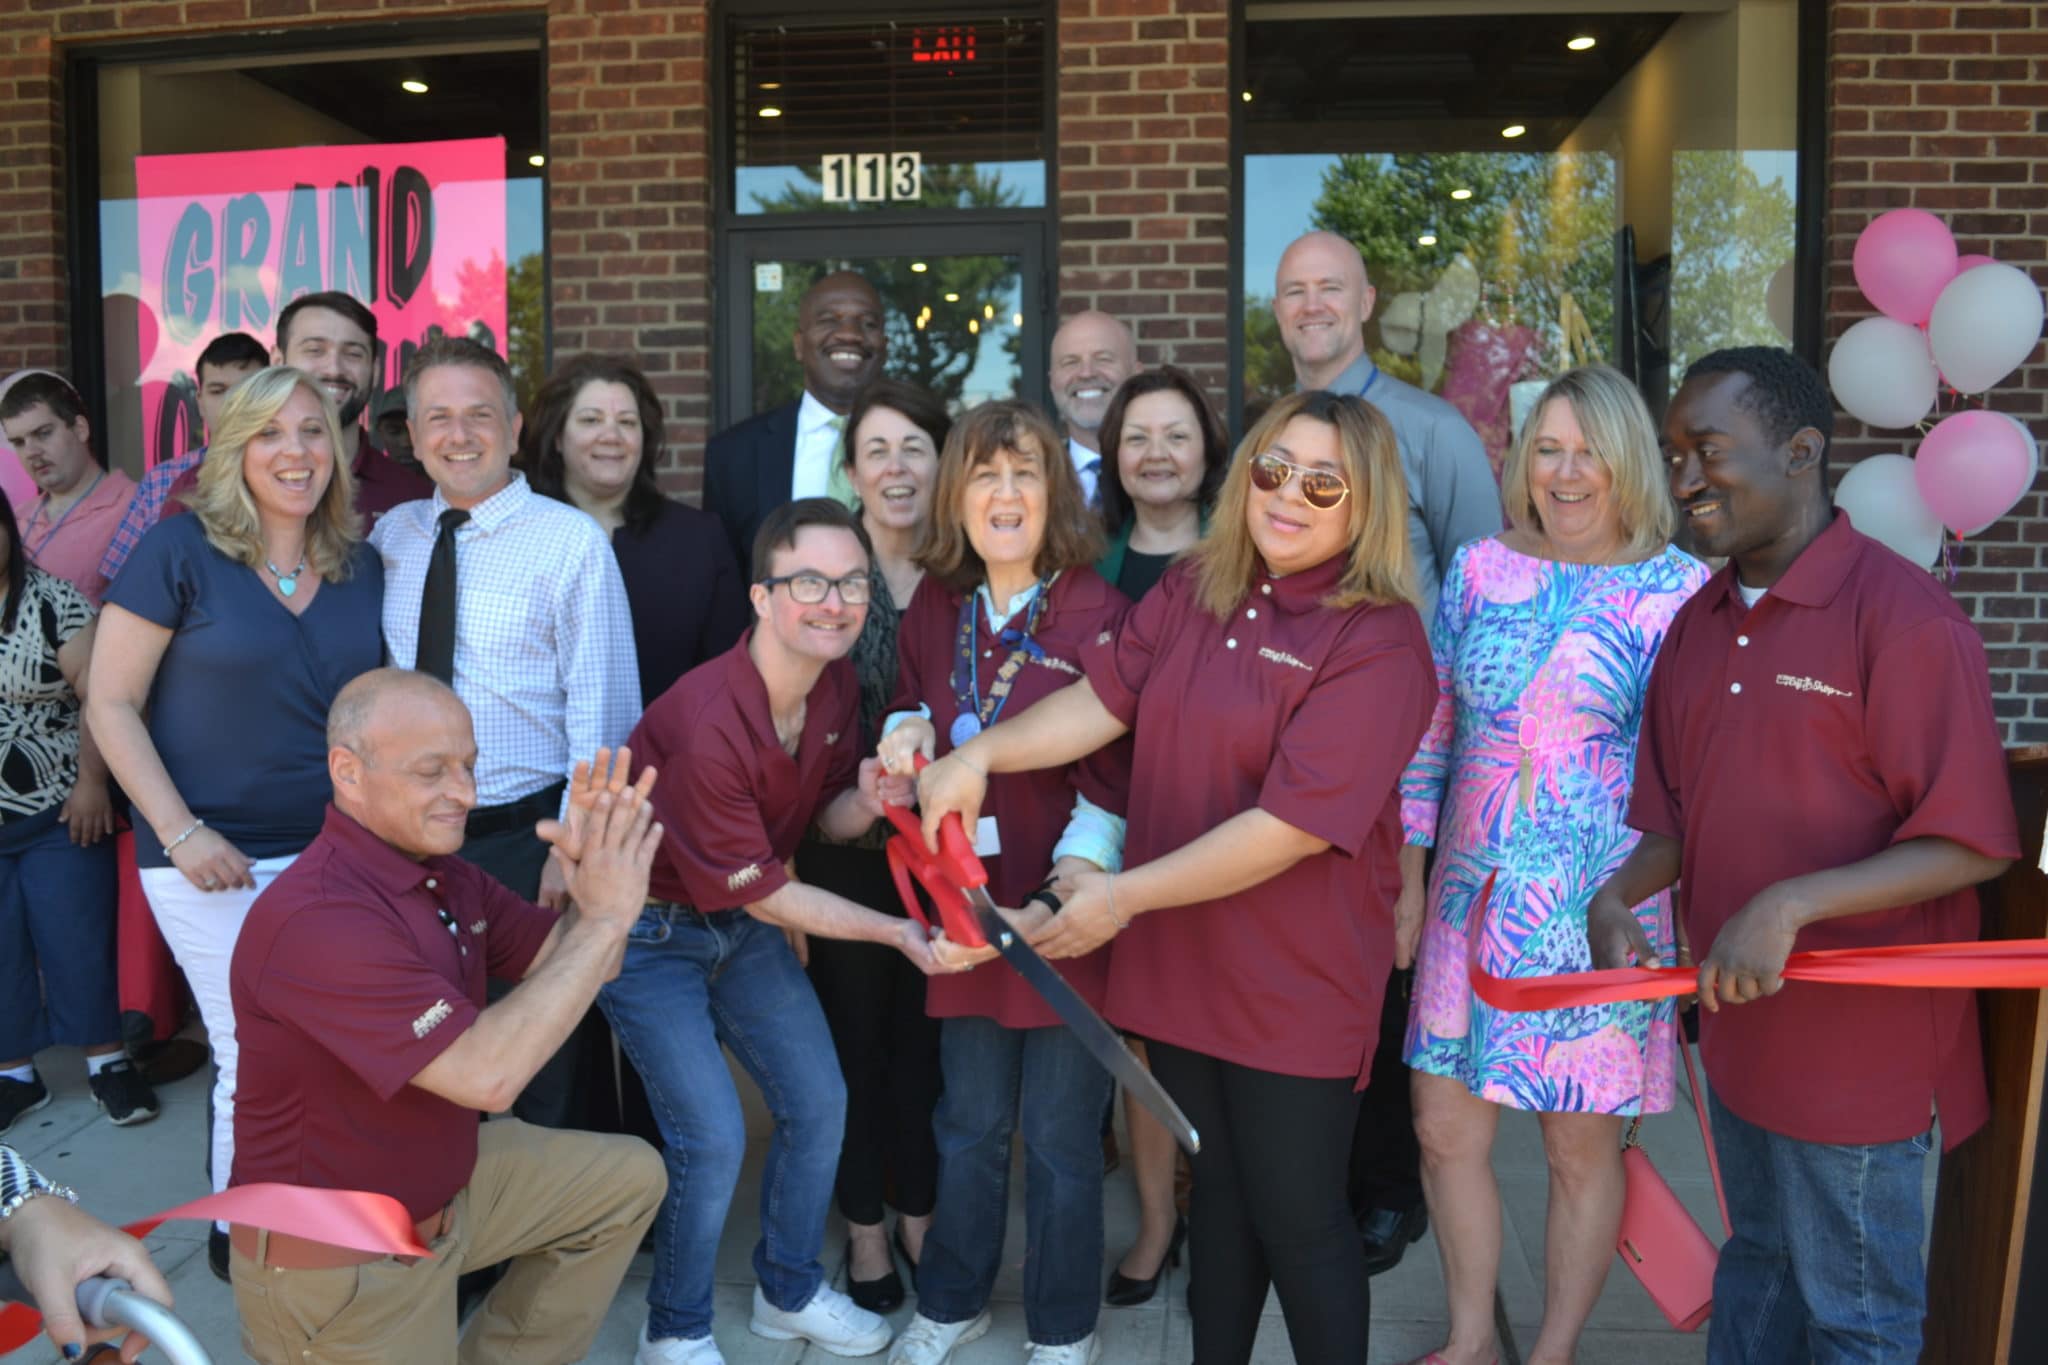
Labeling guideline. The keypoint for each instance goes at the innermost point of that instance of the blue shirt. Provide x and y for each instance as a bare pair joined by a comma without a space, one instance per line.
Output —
238,708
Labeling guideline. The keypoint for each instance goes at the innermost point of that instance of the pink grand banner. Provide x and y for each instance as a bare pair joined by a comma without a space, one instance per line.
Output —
226,239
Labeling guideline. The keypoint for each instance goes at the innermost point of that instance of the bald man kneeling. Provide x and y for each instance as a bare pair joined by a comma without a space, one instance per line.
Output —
367,1053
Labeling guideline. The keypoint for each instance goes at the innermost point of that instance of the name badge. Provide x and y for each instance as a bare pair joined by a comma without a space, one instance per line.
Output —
987,843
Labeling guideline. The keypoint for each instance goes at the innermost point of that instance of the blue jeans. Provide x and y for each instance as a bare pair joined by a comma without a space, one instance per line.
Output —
691,982
996,1077
57,924
1825,1261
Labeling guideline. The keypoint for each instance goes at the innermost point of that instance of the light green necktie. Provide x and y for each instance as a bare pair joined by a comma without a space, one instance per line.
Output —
839,487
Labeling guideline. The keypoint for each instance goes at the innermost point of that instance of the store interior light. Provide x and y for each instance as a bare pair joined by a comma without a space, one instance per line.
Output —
536,160
974,326
952,298
771,85
988,310
770,111
1583,43
918,267
413,87
1461,194
1426,239
1016,319
1513,130
1246,97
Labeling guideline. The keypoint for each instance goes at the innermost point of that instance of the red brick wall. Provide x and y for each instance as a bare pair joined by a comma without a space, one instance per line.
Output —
1945,107
628,174
1144,174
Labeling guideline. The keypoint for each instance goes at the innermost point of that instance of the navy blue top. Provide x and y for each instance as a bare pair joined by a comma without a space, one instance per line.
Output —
238,709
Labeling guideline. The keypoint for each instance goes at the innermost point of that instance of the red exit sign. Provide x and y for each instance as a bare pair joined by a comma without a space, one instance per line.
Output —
949,46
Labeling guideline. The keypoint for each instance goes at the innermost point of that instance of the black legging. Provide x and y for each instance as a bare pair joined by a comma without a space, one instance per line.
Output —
1269,1208
888,1047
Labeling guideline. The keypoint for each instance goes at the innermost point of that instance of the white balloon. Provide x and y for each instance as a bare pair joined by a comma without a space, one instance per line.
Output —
1881,373
1984,325
1884,503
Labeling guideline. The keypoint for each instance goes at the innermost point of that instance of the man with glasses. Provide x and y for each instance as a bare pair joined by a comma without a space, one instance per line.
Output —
753,748
1322,299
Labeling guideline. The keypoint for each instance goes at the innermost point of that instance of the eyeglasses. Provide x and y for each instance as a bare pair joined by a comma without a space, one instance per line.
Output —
1320,488
809,589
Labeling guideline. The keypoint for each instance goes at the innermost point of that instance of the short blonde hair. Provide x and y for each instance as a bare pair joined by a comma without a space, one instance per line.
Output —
1073,534
1381,566
223,503
1618,430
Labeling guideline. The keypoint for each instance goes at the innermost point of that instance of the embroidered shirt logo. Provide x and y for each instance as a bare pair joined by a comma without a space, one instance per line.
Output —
1103,638
1799,684
746,876
432,1019
479,927
1280,657
832,737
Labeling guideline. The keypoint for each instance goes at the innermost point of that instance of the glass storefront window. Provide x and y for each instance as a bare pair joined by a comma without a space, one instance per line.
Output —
411,179
1526,200
881,117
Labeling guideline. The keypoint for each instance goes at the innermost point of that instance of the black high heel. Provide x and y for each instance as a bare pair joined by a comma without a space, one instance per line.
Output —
1125,1292
877,1296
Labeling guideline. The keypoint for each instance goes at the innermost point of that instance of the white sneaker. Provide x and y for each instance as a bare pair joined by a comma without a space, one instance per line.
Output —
830,1321
925,1342
677,1351
1086,1351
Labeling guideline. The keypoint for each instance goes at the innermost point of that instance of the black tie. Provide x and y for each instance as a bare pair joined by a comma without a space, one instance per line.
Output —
436,654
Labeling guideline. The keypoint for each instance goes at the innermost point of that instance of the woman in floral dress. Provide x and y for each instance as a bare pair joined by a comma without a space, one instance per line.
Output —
1544,639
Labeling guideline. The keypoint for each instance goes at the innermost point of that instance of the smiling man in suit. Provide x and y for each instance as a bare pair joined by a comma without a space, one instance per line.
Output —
791,452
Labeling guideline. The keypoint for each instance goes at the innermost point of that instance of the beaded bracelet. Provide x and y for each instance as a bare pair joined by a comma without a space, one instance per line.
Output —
21,1182
190,830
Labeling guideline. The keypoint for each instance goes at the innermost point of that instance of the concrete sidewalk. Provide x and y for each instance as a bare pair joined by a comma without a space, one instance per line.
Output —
124,1174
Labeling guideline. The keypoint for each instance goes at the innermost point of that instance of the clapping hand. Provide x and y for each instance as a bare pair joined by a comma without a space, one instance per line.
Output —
606,847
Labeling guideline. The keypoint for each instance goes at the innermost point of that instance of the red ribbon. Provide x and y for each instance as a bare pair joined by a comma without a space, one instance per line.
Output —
355,1219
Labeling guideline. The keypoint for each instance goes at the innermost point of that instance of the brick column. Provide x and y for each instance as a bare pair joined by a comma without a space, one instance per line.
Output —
1144,174
1945,108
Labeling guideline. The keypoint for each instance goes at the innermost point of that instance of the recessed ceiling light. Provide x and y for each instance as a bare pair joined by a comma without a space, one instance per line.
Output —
952,298
770,111
1426,239
1513,130
1461,194
771,85
918,267
1583,43
1016,319
1246,97
536,160
413,87
974,326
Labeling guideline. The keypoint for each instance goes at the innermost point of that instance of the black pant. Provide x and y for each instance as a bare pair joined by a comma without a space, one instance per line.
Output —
1386,1160
888,1046
1269,1208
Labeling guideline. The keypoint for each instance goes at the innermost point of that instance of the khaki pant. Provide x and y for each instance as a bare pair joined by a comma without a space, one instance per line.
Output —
566,1209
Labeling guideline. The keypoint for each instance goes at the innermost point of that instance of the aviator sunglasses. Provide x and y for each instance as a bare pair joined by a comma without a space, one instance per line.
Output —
1320,488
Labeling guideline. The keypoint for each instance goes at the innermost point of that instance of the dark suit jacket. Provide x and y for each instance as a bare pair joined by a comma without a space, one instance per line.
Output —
747,473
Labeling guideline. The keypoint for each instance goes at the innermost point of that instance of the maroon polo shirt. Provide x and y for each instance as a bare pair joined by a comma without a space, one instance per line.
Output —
1031,809
732,802
346,984
381,484
1309,713
1848,710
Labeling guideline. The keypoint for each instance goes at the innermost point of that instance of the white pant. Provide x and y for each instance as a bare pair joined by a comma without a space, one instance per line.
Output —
201,927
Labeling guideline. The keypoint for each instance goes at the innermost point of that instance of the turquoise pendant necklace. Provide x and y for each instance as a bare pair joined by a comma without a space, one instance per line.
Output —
287,583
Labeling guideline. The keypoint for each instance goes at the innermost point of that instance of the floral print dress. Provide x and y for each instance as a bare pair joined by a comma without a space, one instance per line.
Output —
1549,660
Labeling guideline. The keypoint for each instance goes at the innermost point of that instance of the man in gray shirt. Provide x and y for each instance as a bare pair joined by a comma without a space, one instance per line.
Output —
1322,298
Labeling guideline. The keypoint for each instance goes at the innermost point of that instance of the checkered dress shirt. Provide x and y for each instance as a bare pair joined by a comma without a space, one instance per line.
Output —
145,509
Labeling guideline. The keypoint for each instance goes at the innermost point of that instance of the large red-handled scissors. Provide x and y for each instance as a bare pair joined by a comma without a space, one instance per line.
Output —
958,886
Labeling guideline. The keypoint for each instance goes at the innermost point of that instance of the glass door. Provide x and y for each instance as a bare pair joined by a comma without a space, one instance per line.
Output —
963,307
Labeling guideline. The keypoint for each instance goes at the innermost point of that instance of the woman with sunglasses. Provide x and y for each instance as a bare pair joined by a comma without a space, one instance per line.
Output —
1000,622
1276,682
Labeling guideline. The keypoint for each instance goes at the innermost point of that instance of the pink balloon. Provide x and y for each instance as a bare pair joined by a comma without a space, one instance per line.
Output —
1902,260
1973,468
1971,262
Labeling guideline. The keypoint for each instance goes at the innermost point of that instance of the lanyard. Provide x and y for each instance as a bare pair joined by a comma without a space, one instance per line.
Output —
972,712
1370,380
35,551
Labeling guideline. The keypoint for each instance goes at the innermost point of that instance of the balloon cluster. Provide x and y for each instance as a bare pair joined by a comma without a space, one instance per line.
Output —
1963,323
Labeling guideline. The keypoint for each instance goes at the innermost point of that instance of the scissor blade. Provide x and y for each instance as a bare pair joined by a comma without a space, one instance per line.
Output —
1102,1041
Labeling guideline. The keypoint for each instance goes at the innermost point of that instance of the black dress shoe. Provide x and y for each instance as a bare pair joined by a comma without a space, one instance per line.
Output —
1388,1233
877,1296
1126,1292
217,1253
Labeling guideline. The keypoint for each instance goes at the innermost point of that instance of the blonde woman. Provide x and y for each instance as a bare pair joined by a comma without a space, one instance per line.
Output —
223,640
1276,681
1544,637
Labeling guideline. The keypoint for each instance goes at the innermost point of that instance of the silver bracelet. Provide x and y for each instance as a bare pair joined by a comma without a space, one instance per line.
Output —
190,830
21,1182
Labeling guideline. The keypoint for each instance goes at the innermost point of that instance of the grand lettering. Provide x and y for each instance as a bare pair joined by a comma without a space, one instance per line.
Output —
378,244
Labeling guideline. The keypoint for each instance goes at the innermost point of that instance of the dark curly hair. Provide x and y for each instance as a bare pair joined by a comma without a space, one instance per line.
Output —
540,440
1785,394
1109,487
